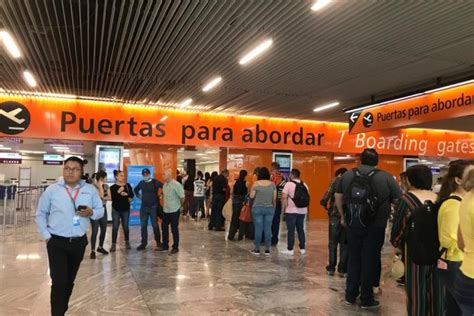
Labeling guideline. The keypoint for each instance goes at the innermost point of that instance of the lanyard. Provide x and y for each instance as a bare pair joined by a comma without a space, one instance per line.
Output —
73,199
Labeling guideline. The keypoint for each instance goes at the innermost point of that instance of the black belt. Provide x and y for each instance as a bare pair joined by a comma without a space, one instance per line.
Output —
69,239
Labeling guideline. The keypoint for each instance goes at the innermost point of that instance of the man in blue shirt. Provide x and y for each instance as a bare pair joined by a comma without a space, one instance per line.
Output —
147,191
63,217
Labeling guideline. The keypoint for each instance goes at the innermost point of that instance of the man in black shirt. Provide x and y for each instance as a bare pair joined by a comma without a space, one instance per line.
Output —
219,190
147,191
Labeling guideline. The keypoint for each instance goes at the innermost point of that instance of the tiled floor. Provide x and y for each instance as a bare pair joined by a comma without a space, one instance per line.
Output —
208,276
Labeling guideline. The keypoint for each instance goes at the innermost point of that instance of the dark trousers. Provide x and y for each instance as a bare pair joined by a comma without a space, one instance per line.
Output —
464,293
188,201
337,237
217,219
145,214
235,222
364,256
246,230
65,257
198,205
295,221
447,278
276,223
173,219
117,217
102,223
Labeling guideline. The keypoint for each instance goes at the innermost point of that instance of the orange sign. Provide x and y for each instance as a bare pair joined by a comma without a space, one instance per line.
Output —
38,117
452,102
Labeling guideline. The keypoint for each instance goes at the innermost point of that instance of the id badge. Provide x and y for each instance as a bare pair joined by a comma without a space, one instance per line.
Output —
442,265
76,221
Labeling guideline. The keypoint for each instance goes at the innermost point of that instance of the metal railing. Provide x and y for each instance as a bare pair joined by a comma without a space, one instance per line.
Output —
18,205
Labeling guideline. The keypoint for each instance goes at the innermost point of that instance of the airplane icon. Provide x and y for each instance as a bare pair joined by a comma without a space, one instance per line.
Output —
12,115
368,119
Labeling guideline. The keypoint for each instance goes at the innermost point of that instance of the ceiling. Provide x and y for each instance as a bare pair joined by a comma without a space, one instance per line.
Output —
354,52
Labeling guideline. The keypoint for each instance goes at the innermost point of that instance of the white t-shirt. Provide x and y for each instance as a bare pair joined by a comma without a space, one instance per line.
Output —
199,188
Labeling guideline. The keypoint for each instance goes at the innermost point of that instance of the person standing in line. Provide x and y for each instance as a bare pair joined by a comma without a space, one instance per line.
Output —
263,193
219,187
337,233
450,196
173,195
365,234
239,193
147,191
464,281
207,179
294,215
198,196
103,190
280,181
424,296
63,218
122,195
188,186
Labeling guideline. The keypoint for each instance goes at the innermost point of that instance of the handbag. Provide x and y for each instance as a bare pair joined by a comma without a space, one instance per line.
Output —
246,213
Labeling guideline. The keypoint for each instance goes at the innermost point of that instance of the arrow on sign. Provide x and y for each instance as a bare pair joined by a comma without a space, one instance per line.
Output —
354,117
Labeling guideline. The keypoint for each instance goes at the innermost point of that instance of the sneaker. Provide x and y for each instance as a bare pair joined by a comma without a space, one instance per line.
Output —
127,245
330,271
373,305
303,251
287,252
347,302
112,248
174,250
141,247
93,255
377,290
267,253
102,251
255,252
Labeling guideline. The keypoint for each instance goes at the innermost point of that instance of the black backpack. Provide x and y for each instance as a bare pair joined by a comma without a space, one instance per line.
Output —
421,235
360,200
301,196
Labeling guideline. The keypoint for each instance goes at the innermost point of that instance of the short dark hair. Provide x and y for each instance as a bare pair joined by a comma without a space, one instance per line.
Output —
256,170
420,177
369,157
100,174
263,174
146,171
199,174
275,165
75,159
340,171
295,173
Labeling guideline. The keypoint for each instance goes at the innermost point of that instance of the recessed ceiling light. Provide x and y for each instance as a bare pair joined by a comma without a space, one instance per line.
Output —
30,80
319,4
262,47
212,84
10,44
186,102
325,107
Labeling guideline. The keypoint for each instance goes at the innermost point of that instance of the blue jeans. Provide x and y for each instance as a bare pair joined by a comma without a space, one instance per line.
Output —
262,220
295,221
117,217
173,219
152,213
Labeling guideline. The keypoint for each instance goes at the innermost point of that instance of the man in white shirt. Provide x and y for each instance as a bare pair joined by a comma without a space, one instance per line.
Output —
199,195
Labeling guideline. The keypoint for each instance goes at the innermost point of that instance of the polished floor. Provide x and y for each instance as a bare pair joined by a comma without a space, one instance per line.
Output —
208,276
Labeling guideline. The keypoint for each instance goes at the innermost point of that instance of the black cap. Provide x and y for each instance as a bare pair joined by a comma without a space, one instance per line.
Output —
145,171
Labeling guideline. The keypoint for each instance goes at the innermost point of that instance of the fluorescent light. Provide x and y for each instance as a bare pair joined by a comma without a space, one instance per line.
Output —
450,86
60,147
164,118
32,152
319,4
10,44
186,103
5,148
325,107
30,80
211,84
262,47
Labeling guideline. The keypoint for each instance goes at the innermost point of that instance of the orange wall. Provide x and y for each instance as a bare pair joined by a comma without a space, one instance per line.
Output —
391,164
162,157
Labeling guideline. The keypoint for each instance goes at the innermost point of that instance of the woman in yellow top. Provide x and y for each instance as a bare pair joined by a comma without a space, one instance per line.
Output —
451,195
464,282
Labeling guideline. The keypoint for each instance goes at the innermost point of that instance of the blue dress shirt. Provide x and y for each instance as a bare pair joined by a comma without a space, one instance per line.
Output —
55,212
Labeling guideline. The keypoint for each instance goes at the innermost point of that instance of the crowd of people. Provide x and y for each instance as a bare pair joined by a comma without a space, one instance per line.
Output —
359,203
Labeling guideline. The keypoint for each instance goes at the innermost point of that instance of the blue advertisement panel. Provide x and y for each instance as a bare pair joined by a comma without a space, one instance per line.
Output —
134,176
285,160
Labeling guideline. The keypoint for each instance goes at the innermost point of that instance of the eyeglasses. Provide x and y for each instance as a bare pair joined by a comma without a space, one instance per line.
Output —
73,170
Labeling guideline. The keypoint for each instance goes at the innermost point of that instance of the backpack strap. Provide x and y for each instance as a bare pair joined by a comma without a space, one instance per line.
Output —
454,197
414,201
